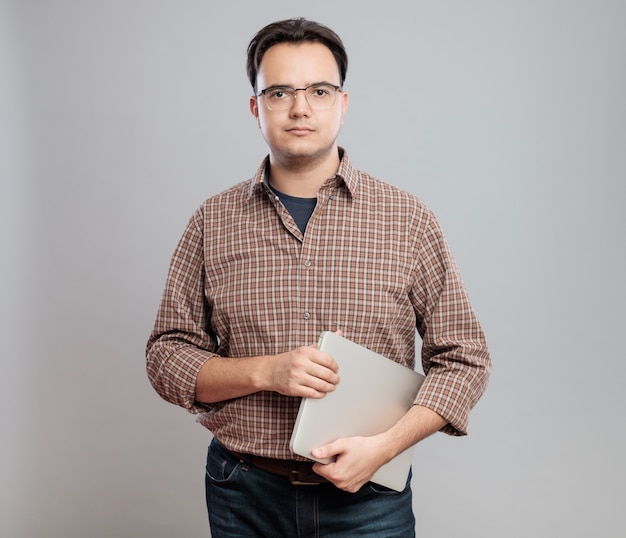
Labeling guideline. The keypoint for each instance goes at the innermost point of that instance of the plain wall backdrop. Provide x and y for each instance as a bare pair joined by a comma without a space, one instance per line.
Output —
118,118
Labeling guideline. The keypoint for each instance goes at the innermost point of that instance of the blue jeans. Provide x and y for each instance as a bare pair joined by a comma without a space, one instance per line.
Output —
246,502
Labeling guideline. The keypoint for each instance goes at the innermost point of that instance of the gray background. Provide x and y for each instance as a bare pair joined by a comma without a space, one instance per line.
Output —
118,118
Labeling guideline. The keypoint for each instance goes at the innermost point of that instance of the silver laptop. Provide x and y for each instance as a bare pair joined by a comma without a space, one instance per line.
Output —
374,392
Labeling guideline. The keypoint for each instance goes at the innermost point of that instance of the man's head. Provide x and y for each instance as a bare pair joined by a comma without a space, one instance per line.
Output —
294,31
297,69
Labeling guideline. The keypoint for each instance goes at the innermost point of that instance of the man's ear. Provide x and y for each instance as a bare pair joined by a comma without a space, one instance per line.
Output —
345,100
254,109
254,106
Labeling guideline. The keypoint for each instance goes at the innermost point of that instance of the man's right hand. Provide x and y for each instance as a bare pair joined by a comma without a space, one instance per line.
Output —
306,372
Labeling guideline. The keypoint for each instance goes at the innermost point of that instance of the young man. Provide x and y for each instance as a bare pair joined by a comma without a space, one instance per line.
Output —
308,244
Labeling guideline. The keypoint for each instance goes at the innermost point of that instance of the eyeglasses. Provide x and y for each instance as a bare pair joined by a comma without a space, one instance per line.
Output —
319,96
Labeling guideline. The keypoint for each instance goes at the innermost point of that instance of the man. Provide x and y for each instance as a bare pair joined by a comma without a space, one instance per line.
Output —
308,244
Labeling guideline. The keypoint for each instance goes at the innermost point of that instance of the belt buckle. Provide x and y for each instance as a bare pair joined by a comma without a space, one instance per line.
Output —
295,480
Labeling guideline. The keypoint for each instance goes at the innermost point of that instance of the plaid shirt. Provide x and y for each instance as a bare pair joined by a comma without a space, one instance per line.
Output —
244,281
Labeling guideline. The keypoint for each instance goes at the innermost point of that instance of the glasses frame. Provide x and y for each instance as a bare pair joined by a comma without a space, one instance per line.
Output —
290,90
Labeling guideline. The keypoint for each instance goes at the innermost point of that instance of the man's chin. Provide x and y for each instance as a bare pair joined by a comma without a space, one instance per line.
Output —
303,155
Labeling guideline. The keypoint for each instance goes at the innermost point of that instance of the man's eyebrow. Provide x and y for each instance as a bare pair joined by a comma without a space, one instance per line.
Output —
306,86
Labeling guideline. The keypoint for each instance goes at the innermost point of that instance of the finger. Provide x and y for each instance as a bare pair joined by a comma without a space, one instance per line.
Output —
319,386
330,451
325,375
325,360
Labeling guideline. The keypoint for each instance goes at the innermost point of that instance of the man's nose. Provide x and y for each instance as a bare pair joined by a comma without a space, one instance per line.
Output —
300,105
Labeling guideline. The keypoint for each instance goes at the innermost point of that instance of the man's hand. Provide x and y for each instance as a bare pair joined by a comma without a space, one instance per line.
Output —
356,461
305,372
358,458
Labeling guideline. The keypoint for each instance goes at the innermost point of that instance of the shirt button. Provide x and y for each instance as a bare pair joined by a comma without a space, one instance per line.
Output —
307,263
307,315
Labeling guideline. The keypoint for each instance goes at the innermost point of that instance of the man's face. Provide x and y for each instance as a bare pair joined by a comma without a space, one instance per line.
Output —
300,134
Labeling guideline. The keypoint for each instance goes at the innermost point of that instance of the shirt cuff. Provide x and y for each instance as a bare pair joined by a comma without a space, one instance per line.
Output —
173,374
450,400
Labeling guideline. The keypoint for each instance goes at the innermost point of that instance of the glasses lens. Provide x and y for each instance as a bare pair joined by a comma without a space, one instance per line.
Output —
279,98
321,96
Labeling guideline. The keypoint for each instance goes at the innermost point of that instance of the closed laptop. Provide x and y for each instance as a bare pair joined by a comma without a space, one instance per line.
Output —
373,394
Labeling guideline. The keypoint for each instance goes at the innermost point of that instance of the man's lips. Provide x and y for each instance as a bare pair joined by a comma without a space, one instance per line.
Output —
300,130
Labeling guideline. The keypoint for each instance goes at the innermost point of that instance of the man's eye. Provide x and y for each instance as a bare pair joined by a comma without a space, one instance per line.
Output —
277,94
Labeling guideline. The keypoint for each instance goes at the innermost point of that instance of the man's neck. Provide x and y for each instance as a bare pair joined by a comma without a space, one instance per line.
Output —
302,180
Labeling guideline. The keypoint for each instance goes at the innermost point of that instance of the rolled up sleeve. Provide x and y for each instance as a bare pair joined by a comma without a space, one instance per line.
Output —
180,342
455,357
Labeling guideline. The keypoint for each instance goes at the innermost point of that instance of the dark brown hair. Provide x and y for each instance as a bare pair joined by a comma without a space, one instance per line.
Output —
294,31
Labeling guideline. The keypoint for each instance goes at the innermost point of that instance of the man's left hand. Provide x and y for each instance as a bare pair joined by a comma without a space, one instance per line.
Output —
356,459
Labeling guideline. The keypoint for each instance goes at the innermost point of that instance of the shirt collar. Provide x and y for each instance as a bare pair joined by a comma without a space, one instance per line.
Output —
346,174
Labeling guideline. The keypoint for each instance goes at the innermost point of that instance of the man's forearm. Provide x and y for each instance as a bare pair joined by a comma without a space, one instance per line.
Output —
222,378
418,423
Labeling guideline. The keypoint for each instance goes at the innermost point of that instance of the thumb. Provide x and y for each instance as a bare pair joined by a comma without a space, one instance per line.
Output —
327,452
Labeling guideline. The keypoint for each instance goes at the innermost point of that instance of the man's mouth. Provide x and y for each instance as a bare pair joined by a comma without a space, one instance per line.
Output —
300,130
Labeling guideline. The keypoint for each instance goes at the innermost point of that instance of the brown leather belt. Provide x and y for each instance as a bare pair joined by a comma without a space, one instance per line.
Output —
299,473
